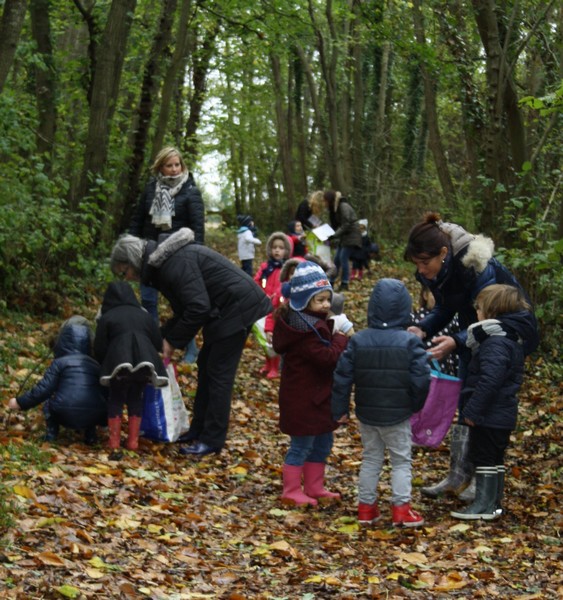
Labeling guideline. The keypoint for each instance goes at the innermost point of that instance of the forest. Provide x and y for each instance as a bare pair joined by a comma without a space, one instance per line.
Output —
404,106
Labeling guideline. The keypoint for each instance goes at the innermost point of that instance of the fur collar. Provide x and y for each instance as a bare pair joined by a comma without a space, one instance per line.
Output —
170,245
478,249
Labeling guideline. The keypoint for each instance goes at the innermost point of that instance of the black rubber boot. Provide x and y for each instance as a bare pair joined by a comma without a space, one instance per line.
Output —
486,490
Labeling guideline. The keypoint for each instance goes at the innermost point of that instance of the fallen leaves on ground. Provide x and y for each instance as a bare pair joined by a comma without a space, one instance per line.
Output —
158,525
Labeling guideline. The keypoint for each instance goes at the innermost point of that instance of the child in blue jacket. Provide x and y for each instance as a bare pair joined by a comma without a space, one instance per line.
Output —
69,390
489,402
390,371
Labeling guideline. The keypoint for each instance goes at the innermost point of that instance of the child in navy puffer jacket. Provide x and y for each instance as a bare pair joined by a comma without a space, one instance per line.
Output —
489,403
69,390
389,368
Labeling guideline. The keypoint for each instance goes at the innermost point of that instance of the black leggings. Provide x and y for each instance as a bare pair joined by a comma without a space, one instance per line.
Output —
127,388
487,446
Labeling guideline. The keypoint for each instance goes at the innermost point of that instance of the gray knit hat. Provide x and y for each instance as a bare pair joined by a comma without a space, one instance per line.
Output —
128,250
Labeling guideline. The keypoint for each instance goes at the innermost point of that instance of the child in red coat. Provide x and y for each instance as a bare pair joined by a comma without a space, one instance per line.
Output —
278,250
304,337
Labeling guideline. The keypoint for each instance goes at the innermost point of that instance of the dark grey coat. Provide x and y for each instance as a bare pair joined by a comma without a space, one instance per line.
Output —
205,290
388,365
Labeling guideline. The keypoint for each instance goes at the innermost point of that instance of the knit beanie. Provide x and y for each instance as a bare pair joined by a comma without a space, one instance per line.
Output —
244,220
307,281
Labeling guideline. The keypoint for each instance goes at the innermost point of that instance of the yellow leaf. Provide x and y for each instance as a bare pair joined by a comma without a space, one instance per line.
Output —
332,581
94,573
50,521
68,591
460,527
352,528
24,492
373,579
239,471
154,528
314,579
393,576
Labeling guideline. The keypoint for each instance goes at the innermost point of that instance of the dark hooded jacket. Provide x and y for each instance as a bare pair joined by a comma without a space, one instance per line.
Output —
71,382
387,365
467,269
189,211
127,337
309,357
205,290
496,370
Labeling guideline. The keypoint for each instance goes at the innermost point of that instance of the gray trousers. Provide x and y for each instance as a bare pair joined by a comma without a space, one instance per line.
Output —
398,440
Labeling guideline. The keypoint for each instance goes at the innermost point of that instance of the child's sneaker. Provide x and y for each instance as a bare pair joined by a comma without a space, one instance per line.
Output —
407,517
368,513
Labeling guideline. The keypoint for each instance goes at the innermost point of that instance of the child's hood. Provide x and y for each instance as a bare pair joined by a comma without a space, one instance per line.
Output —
119,293
278,235
390,305
519,326
73,339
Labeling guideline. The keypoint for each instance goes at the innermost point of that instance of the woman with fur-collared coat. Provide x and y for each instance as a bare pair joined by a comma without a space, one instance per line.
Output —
455,265
206,291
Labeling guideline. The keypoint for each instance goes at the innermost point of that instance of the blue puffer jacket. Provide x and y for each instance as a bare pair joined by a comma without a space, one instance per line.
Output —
71,382
496,370
388,365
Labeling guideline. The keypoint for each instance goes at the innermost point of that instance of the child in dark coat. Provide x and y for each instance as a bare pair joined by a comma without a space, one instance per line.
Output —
127,344
70,389
390,371
489,404
305,339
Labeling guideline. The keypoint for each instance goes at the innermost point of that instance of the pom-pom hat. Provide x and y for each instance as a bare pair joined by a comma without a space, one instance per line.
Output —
244,220
308,280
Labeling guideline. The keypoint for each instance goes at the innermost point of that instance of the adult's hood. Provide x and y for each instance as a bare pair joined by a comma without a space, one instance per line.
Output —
390,305
119,293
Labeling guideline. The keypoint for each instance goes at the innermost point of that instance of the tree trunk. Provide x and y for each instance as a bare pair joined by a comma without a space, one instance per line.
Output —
201,60
435,139
105,89
145,109
45,80
282,130
10,28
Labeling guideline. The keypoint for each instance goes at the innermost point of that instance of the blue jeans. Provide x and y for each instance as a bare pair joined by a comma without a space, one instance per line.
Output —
342,261
309,448
149,301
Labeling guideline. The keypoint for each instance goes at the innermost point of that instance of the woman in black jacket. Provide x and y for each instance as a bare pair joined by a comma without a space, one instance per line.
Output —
206,291
169,202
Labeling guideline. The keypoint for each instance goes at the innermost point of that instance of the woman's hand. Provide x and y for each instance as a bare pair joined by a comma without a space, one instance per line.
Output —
417,331
269,337
469,422
442,346
13,404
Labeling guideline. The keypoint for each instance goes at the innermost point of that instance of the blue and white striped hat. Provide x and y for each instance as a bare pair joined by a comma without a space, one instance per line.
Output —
308,280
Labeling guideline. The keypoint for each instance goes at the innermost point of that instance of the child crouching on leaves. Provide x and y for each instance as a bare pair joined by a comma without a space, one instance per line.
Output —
390,371
310,350
489,405
127,344
70,388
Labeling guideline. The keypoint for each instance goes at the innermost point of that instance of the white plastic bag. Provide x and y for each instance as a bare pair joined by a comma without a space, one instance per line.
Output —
165,416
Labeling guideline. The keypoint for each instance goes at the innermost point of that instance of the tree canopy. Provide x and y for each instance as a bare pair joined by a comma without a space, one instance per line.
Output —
402,106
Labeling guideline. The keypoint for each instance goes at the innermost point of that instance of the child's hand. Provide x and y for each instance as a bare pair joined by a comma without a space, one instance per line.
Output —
343,420
13,404
269,337
469,422
342,324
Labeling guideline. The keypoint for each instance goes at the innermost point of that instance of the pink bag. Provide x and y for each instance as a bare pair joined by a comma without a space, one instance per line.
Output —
430,425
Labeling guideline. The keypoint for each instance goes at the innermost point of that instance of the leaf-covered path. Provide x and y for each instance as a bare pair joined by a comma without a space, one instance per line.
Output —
160,526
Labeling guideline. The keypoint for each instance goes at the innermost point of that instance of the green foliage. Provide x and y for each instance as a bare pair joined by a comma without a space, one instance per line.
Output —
537,258
17,459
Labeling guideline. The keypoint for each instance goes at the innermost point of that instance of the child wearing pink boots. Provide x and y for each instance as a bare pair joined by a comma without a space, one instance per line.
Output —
310,347
278,250
389,368
127,345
